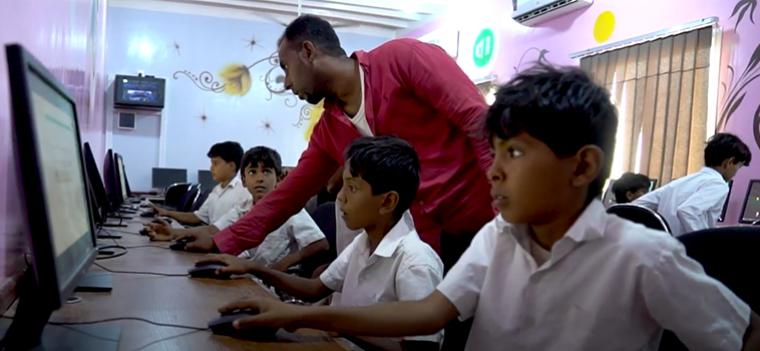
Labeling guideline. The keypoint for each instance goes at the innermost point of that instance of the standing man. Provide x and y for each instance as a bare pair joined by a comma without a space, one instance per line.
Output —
405,88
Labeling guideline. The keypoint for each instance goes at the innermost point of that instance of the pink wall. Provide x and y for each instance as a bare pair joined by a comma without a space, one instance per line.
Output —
68,37
518,45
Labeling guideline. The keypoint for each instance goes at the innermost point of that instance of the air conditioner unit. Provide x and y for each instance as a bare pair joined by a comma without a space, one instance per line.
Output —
529,12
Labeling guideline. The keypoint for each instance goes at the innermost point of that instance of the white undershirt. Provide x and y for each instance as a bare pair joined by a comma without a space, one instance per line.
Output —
360,120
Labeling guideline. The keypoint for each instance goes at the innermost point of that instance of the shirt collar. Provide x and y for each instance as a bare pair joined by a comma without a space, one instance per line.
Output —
712,172
232,184
390,241
589,225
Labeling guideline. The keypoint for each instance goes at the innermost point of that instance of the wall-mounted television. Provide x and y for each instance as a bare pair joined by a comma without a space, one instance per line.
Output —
139,92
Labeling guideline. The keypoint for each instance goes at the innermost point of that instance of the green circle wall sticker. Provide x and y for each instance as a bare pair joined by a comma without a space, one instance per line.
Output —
482,51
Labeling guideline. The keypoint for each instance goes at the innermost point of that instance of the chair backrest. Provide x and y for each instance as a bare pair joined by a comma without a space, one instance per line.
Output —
174,193
202,196
188,199
324,216
730,255
640,214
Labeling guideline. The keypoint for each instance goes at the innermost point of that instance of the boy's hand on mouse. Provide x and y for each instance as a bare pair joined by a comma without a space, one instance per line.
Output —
198,242
232,264
271,313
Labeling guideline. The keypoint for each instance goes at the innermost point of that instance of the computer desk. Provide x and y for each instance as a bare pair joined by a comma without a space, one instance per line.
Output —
175,300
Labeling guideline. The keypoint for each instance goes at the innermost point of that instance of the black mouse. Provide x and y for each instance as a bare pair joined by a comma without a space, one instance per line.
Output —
208,271
180,244
223,326
148,214
144,231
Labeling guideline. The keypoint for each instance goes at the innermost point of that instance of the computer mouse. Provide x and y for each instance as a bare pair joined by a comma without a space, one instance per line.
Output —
148,214
180,244
223,326
144,231
208,271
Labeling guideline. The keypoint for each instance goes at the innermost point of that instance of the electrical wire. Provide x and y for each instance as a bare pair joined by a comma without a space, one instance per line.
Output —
138,272
115,319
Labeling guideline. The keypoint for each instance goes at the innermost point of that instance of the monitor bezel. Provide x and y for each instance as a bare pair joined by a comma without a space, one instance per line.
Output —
746,200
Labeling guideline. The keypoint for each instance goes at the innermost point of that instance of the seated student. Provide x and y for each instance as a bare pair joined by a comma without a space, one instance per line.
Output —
553,271
695,201
630,186
387,261
225,162
298,239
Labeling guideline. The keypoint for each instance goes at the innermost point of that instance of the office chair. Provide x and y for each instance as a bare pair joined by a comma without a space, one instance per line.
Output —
728,254
202,195
188,199
640,214
173,194
324,216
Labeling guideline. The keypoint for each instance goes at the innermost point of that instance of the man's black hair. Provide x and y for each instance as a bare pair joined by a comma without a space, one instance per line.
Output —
229,151
632,182
315,30
563,108
723,146
269,158
387,163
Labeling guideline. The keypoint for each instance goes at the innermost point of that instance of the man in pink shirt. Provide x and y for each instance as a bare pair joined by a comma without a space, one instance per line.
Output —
405,88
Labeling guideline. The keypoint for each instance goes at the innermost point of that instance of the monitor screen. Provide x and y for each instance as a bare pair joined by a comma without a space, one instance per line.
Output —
652,184
205,179
163,177
96,182
111,177
139,91
751,209
122,177
50,160
725,203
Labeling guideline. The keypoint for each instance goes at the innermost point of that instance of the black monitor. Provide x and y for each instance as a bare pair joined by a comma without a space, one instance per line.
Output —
111,178
101,204
652,184
725,203
205,179
59,226
163,177
122,177
751,208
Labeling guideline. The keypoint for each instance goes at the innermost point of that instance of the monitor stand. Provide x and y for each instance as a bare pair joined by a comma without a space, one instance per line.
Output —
95,282
29,329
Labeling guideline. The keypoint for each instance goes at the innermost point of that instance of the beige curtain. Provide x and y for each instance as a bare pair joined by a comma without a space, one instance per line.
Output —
660,89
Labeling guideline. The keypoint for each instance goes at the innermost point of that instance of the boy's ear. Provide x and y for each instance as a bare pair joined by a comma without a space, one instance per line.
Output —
389,202
729,161
589,160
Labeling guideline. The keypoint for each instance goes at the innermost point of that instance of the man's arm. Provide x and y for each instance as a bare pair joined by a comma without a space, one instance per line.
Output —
182,217
300,255
312,172
426,316
693,213
435,77
649,200
752,335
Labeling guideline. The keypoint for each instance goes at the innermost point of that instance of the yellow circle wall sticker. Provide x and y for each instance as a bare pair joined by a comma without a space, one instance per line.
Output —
604,26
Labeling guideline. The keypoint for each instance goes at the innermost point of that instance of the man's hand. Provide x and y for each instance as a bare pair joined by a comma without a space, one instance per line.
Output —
159,230
159,211
272,314
232,264
199,242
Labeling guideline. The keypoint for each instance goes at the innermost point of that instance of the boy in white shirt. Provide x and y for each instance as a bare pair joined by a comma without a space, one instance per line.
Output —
295,241
553,271
694,202
229,193
387,261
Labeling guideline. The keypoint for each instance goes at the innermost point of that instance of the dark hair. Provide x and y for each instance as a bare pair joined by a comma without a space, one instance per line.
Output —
315,30
723,146
229,151
387,163
264,155
563,108
632,182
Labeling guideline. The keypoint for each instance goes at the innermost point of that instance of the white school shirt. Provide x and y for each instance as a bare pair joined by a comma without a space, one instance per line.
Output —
297,232
221,200
402,268
689,203
610,284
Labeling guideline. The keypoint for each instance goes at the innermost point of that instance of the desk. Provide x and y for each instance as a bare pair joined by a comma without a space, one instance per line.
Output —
175,300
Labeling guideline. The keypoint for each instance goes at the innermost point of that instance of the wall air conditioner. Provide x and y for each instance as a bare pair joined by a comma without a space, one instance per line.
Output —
529,12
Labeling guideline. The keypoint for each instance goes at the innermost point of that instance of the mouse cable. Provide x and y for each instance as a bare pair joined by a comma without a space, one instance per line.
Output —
137,272
111,255
106,320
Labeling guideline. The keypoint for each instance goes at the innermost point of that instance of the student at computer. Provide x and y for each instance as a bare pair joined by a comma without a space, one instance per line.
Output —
295,241
229,193
553,271
630,186
695,201
387,261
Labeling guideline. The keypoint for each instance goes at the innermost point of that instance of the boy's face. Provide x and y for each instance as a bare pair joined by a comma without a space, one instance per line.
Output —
357,205
633,195
259,180
529,183
221,170
731,168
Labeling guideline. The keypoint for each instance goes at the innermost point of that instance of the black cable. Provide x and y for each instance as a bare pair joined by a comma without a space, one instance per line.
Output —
165,339
137,272
131,319
140,246
116,246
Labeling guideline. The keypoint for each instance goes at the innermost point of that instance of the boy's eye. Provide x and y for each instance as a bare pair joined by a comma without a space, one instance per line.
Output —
514,153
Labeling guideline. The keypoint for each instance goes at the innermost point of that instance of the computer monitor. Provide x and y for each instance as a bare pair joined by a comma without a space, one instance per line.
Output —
205,179
163,177
652,184
122,177
725,203
751,208
608,197
59,226
113,183
101,203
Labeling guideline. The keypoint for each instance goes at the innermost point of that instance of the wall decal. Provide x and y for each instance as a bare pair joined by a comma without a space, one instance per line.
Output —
267,126
540,57
251,43
604,26
176,47
741,9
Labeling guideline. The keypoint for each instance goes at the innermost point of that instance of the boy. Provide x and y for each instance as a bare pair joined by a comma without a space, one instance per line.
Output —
630,186
387,261
295,241
553,271
225,162
695,201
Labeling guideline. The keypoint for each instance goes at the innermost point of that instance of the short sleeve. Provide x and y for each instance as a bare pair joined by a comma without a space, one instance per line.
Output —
304,230
335,274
